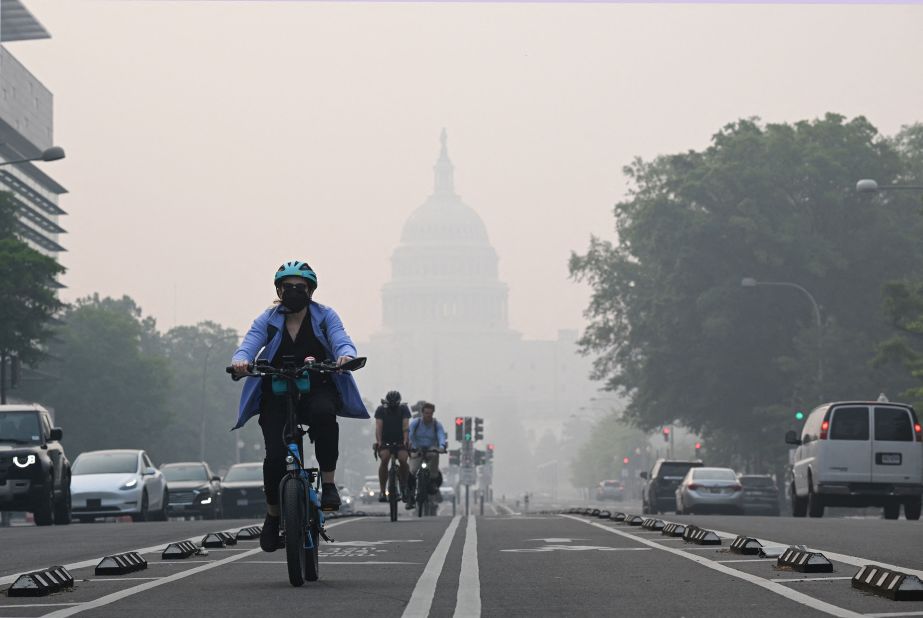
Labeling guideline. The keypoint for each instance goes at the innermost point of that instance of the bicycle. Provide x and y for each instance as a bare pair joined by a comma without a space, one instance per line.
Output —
302,522
422,482
394,484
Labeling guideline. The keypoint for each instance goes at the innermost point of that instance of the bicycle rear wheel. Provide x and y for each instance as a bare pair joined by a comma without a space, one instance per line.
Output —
392,492
311,560
293,519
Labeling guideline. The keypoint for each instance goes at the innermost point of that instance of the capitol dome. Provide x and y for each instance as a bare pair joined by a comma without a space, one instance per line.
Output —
444,272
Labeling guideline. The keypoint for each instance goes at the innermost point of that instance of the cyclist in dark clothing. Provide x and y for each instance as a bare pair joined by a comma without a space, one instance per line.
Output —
297,329
392,420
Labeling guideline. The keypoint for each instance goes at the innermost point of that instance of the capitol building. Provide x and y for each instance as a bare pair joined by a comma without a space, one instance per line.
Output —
446,337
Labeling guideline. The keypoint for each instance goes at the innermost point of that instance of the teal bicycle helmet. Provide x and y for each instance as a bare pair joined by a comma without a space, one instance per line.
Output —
295,268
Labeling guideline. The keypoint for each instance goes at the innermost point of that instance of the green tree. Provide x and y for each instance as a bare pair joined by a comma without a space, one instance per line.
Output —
601,457
28,296
672,327
108,381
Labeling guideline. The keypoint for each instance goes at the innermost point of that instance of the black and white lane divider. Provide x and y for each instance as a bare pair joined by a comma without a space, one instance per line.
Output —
884,582
803,561
120,564
746,545
41,583
673,529
249,533
700,536
180,550
653,524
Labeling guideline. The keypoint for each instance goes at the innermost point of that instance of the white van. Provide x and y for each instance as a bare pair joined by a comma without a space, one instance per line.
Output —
858,454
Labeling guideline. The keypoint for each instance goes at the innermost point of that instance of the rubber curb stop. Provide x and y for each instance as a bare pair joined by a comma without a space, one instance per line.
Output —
804,561
746,545
672,529
884,582
249,533
595,513
119,564
41,583
179,550
618,516
700,536
652,524
604,515
633,520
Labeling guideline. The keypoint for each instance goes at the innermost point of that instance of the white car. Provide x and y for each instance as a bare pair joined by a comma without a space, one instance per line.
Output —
117,482
858,454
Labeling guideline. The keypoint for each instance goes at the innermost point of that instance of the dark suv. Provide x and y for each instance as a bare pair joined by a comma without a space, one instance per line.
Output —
35,474
194,489
659,494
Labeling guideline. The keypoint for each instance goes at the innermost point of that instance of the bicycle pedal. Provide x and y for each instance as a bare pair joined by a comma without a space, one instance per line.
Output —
327,538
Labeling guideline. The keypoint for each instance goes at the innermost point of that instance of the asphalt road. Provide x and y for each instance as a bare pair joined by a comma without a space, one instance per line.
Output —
503,563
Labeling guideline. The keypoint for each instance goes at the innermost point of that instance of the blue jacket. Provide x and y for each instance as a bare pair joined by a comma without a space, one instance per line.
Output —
421,437
329,331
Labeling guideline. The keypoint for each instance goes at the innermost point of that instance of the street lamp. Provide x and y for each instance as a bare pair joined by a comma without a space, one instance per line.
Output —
49,154
202,406
867,185
750,282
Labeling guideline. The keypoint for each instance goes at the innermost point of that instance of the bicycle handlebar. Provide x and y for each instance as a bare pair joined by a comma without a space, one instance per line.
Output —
262,368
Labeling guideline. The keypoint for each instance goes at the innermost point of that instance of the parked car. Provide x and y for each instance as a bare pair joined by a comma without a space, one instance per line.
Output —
709,490
194,489
347,501
447,492
242,491
35,474
761,496
859,454
659,492
118,482
610,490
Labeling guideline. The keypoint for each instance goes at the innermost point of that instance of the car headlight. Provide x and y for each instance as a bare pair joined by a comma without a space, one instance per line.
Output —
131,484
423,465
207,500
27,460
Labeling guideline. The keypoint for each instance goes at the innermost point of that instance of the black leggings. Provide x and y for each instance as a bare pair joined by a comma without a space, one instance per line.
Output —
318,411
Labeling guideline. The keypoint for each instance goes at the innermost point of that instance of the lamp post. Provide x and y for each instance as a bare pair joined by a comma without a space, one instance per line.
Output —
867,185
750,282
202,406
49,154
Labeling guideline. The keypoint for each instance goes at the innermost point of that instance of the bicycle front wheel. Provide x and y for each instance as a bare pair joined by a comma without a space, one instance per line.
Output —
311,556
293,519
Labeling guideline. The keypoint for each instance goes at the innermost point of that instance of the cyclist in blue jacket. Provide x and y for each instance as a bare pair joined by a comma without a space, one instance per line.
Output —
298,326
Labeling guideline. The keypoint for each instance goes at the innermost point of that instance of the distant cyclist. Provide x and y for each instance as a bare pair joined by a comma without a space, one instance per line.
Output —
392,419
298,327
426,432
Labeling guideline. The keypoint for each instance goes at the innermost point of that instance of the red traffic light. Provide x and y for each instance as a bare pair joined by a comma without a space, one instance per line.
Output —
490,447
625,460
698,445
459,421
666,431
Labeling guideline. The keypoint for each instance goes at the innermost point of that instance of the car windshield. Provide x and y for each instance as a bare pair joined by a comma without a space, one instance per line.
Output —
20,428
185,473
713,474
244,473
756,481
106,463
674,468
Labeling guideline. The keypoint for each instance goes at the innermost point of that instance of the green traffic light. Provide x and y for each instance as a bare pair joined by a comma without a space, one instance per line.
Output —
799,415
468,437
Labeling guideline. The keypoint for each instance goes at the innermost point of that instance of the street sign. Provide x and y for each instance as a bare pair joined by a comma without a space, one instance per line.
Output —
468,476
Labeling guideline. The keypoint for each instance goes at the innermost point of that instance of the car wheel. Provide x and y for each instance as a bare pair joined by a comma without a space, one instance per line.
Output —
815,503
912,508
799,505
892,510
161,513
84,519
62,508
142,514
44,510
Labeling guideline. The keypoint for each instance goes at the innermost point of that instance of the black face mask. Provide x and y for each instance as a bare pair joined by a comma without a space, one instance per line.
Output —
294,299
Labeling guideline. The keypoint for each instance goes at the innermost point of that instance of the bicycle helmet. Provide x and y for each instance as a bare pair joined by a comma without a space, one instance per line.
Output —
393,398
296,268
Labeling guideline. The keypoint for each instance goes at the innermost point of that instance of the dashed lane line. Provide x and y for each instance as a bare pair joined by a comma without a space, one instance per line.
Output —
422,598
468,600
792,595
118,596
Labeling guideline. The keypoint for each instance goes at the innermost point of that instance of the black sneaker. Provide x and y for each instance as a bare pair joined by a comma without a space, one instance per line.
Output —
269,537
329,497
382,497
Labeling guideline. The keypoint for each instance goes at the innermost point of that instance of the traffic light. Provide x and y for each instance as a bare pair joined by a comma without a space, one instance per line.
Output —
455,457
478,429
626,460
799,415
490,452
698,448
459,428
480,457
467,435
666,434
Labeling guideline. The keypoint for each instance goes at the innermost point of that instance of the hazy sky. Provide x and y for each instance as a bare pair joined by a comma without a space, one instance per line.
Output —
209,141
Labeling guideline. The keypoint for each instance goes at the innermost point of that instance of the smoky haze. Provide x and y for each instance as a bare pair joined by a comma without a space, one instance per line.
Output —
208,142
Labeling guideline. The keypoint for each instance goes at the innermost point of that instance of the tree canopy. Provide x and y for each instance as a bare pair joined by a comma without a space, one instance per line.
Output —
671,324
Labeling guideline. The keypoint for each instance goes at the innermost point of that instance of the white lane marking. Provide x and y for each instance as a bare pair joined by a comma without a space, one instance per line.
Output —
422,598
494,509
40,605
890,614
548,548
321,562
9,579
117,596
748,560
795,580
508,510
468,600
844,558
772,586
115,579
